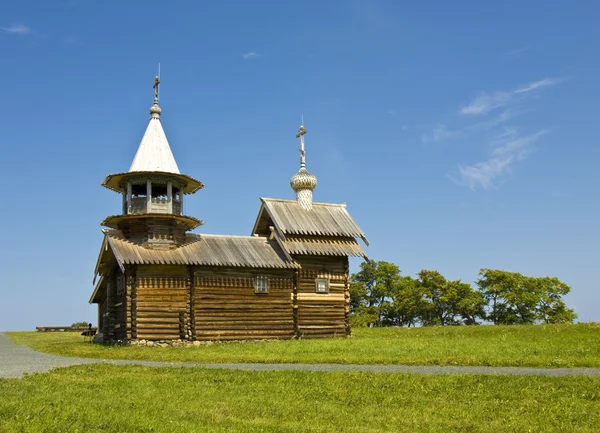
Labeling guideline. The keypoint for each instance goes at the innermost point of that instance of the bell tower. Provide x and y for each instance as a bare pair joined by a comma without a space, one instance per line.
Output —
153,191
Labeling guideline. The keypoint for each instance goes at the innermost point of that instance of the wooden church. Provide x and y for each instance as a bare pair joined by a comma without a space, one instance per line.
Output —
154,280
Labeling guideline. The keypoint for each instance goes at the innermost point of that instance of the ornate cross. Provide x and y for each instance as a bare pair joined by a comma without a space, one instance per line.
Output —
300,135
156,83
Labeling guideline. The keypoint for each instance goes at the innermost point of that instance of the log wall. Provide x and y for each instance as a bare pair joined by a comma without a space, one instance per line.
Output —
323,314
168,302
161,302
226,307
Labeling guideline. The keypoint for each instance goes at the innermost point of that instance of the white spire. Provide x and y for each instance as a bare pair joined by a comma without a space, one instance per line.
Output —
154,152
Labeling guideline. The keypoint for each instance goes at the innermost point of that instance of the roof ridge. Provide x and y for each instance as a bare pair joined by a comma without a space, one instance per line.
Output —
228,236
284,200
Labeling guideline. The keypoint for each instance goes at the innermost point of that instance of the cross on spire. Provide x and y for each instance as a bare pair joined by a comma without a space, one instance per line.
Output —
300,135
155,86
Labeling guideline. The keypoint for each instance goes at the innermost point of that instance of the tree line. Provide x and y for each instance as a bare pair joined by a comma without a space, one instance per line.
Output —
381,296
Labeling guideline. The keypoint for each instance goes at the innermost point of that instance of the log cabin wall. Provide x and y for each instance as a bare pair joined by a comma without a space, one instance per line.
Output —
161,302
131,301
323,314
226,306
120,306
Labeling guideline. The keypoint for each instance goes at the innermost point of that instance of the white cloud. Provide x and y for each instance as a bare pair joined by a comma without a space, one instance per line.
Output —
18,29
492,123
441,132
486,102
537,84
510,149
483,174
250,55
518,146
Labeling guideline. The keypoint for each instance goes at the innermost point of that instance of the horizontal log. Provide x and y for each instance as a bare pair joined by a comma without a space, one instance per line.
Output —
245,319
162,299
226,315
242,328
151,320
157,314
245,305
229,333
268,297
317,297
153,337
147,325
289,336
160,305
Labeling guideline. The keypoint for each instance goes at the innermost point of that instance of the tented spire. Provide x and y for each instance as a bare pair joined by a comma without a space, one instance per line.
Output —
154,152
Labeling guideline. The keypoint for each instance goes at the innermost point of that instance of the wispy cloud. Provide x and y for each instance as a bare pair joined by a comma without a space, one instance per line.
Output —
442,132
537,84
492,123
18,29
250,55
486,174
484,102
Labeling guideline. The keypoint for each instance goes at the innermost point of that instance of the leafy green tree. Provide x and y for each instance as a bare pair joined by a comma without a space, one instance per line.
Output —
551,308
406,303
372,288
517,299
448,302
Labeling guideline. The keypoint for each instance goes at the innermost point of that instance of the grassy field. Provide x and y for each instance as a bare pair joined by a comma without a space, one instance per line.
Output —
535,346
97,398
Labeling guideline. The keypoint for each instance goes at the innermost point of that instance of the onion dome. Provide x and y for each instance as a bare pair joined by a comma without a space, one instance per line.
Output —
303,180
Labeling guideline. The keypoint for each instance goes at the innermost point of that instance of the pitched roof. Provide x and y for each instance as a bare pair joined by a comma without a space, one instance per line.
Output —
324,219
208,250
154,152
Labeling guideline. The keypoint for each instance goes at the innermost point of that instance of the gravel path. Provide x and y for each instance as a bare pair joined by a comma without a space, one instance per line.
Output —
16,360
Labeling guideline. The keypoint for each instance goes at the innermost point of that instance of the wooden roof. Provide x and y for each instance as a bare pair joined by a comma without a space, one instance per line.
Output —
207,250
322,246
116,182
324,219
154,152
113,221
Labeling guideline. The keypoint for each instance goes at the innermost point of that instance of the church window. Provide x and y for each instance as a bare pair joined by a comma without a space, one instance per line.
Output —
322,285
262,284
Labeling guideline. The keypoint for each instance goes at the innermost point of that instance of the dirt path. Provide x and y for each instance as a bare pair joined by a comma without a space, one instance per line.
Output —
17,360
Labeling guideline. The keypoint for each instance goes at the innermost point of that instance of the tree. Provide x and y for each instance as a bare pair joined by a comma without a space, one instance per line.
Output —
371,288
448,302
517,299
406,303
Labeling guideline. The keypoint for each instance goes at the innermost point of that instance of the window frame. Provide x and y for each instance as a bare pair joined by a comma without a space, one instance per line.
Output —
259,290
326,285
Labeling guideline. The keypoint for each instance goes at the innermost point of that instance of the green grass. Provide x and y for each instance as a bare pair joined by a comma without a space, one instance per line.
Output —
535,346
96,398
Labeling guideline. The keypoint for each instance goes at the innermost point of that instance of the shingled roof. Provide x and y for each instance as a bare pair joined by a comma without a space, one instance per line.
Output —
324,219
207,250
322,246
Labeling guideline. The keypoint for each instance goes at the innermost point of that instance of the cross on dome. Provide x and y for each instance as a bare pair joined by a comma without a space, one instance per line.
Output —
303,182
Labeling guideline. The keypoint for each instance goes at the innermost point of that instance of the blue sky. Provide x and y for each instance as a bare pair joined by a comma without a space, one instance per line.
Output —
461,135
